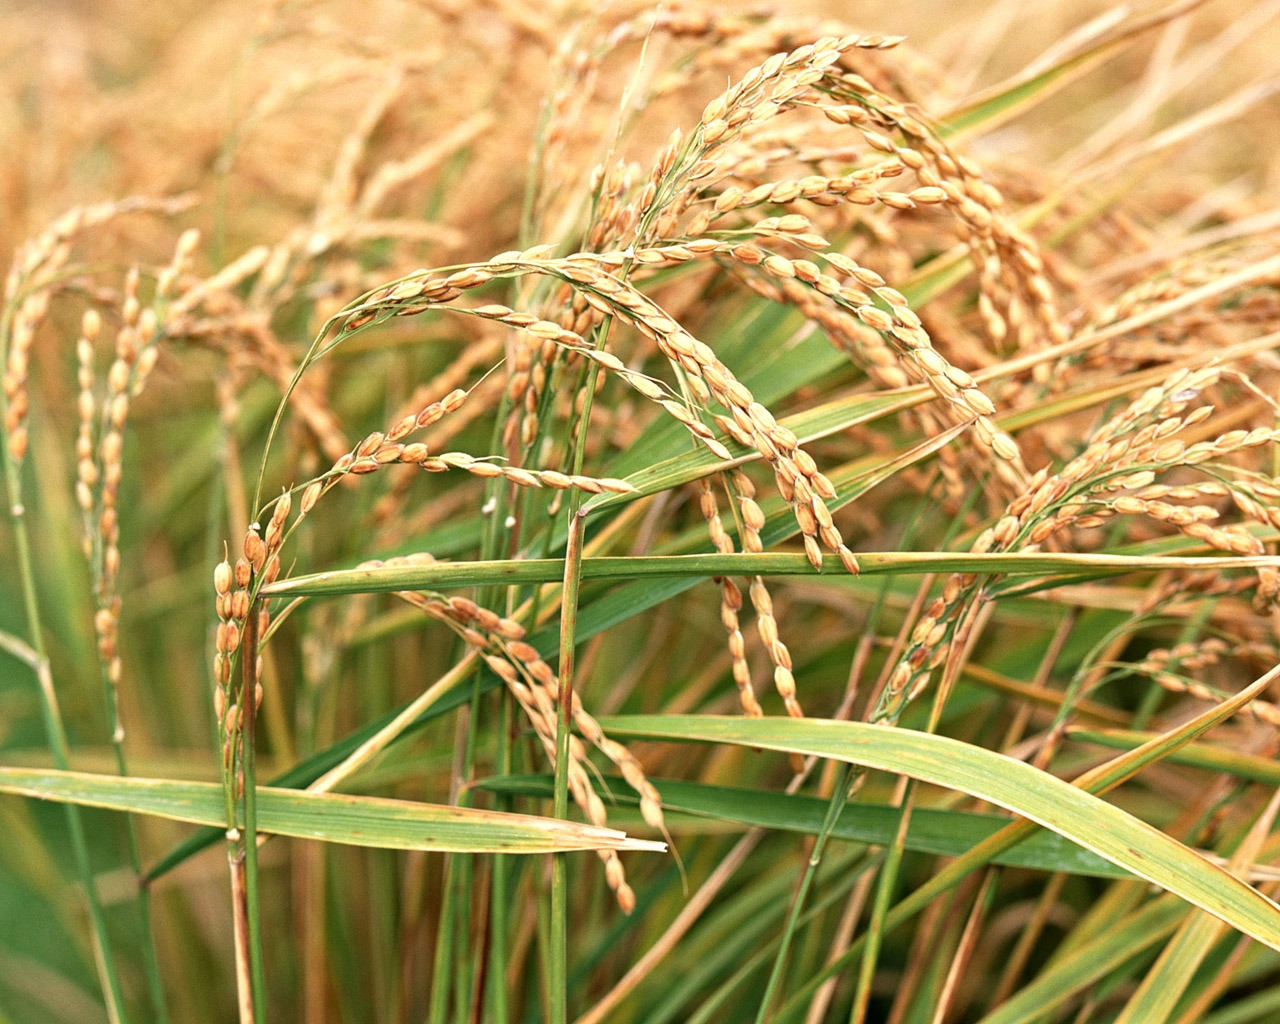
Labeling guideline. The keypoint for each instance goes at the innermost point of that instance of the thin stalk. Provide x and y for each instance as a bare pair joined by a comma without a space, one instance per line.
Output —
441,976
499,921
853,909
150,960
694,906
55,731
559,952
533,174
835,807
11,645
240,927
107,602
242,845
473,1012
454,973
558,945
494,993
558,967
880,908
462,972
848,873
392,730
964,950
972,621
843,789
103,960
1027,939
676,930
248,762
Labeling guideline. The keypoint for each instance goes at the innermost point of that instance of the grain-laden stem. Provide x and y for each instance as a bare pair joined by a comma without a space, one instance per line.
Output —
242,842
249,775
150,960
558,960
55,731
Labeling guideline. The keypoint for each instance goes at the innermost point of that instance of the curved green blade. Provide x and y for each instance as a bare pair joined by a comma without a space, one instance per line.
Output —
1093,823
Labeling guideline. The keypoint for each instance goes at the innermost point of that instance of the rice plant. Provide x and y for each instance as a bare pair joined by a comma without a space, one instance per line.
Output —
651,513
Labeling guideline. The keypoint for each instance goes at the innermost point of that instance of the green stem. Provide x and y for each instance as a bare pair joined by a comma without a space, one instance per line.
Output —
834,809
577,524
240,799
449,975
558,954
559,888
55,731
463,970
248,705
499,920
108,976
847,782
441,976
150,959
880,908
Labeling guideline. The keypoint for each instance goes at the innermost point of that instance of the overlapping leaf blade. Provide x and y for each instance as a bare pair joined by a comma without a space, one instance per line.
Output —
1015,785
331,817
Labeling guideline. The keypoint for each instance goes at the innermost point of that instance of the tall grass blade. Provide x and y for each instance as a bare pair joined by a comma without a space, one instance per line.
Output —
329,817
1094,824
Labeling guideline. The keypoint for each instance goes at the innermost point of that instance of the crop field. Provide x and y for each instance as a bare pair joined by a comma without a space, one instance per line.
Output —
640,514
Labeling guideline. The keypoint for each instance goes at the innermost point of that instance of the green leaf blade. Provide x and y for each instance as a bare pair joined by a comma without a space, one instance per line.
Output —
932,831
1092,823
329,817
